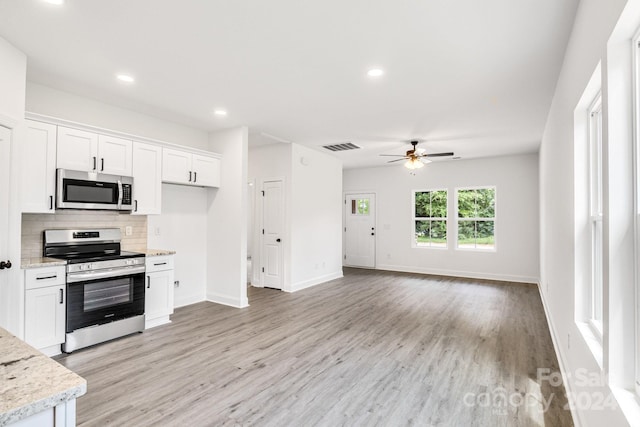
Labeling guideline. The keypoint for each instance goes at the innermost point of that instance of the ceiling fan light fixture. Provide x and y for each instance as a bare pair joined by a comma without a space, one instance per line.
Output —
414,163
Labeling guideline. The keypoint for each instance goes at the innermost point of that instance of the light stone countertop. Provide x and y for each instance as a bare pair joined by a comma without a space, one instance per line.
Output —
157,252
31,382
38,262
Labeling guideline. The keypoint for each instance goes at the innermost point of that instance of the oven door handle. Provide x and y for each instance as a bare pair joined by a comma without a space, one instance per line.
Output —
103,274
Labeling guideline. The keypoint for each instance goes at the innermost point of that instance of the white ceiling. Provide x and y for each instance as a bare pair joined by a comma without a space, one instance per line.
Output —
469,76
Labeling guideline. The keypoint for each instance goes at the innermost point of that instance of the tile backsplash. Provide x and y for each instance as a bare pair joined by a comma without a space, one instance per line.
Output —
34,224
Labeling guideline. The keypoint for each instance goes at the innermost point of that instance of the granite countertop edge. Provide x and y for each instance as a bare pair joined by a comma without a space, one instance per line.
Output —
158,252
38,262
31,382
43,404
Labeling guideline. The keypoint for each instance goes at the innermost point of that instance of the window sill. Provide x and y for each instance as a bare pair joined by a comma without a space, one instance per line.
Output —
477,250
441,248
628,403
592,340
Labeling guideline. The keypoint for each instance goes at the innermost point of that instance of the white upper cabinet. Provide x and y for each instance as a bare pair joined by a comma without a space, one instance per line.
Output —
38,167
86,151
77,150
183,167
147,179
115,155
176,166
206,170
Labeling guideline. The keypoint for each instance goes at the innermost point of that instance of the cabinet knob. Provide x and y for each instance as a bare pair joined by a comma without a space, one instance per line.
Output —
4,265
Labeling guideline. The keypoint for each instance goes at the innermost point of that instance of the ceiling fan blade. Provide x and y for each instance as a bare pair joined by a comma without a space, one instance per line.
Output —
392,155
397,160
437,155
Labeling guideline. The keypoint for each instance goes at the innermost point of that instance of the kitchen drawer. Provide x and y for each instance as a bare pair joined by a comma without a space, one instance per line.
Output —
45,276
159,263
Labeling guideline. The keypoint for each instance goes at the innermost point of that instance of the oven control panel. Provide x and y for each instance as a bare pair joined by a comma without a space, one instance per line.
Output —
102,265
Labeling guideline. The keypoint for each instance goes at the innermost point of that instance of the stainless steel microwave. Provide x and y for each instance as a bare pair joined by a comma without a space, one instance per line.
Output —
91,190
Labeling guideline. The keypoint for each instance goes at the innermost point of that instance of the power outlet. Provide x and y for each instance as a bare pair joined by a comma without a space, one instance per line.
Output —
128,230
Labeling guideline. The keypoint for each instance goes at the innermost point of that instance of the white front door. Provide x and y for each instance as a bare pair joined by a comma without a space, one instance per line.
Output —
360,230
5,292
272,234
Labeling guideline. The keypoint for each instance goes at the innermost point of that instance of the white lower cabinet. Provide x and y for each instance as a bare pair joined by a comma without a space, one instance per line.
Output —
61,415
159,290
45,302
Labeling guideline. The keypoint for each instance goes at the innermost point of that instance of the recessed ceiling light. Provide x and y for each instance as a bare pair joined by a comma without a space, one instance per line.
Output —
220,112
125,78
56,2
375,72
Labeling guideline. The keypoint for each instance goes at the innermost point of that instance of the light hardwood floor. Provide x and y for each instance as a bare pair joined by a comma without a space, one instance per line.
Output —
373,348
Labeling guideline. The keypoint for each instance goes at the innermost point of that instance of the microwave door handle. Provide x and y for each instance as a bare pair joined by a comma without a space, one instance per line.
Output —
119,193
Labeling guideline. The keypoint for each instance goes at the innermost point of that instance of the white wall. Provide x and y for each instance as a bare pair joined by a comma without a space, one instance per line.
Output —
316,218
181,228
592,28
13,75
516,182
64,105
226,221
268,162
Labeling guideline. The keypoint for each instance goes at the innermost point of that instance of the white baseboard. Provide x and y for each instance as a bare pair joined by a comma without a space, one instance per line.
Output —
188,300
54,350
298,286
577,421
456,273
227,300
156,322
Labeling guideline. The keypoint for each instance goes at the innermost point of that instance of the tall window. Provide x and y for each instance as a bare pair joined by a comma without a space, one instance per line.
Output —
430,218
595,203
476,218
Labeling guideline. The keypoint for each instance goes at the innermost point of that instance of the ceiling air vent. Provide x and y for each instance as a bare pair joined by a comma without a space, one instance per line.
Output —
341,147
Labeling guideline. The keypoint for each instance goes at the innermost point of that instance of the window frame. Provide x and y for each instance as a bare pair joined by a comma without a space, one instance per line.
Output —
596,223
494,219
636,202
414,242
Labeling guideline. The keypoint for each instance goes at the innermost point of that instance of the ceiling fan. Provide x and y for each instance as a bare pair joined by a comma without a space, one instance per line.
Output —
415,157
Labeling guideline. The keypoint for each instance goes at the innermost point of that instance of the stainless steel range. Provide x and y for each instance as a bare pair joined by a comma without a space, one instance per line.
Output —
105,285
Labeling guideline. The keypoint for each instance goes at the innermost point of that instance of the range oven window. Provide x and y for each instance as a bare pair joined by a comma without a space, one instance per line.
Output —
79,191
107,293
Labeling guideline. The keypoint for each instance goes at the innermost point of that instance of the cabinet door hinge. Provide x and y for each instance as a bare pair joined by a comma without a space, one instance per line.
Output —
262,193
263,231
263,269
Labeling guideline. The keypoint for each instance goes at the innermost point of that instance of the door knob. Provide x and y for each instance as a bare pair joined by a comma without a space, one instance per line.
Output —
278,240
4,265
372,234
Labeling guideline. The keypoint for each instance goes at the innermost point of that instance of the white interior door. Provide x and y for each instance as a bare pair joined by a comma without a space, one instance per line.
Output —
272,234
360,230
5,155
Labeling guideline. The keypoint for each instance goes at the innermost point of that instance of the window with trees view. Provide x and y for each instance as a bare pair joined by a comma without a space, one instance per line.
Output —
430,218
476,218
